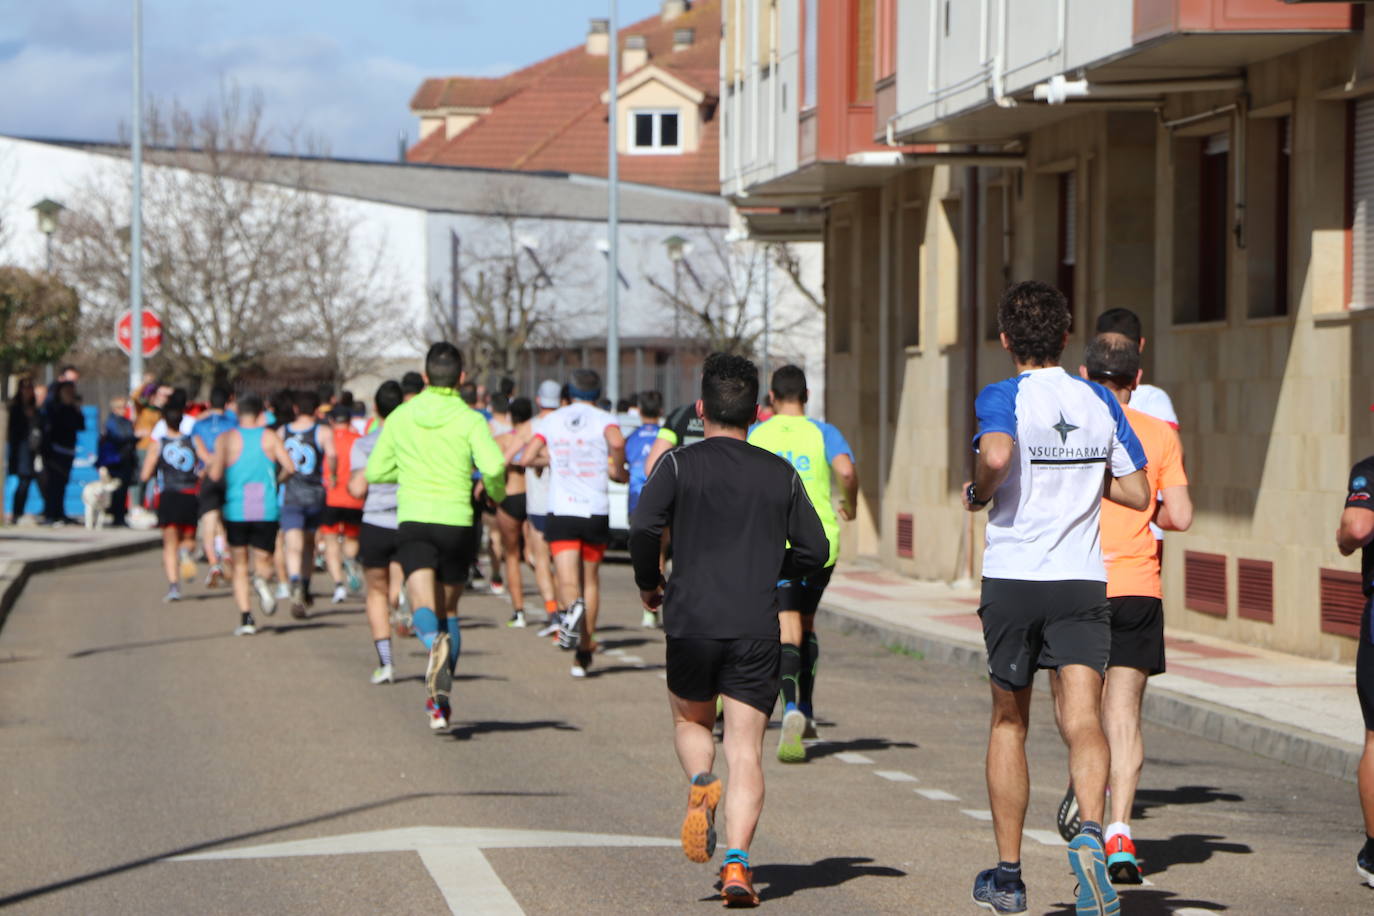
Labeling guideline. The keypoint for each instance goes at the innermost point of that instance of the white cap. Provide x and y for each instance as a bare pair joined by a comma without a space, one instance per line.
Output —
550,394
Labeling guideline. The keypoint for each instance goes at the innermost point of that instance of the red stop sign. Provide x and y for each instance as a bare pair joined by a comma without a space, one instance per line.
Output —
152,332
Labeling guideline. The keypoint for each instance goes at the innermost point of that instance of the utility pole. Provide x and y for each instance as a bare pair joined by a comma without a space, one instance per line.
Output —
613,220
136,214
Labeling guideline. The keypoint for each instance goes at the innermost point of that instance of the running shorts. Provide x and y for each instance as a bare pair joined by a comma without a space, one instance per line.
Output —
258,535
574,532
1137,634
803,594
1032,625
376,546
178,510
747,670
540,523
305,518
335,520
514,506
212,495
1364,669
449,550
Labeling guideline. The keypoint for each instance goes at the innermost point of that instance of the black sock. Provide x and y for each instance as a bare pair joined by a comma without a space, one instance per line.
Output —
1368,846
1093,828
811,650
1007,874
246,619
791,673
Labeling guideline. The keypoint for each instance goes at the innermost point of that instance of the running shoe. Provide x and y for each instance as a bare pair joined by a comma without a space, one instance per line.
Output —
582,662
340,594
551,625
188,567
1068,820
790,747
438,677
1096,896
354,575
173,594
1121,862
215,577
247,627
737,885
438,712
383,675
298,600
1364,864
570,627
810,733
400,623
283,591
498,588
649,621
266,600
517,621
1006,900
699,826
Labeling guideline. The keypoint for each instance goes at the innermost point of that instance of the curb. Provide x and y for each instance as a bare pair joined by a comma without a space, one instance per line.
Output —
1285,743
15,574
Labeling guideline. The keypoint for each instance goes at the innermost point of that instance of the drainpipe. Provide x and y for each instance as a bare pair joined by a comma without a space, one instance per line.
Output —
885,292
756,83
1241,136
999,67
775,76
739,99
968,294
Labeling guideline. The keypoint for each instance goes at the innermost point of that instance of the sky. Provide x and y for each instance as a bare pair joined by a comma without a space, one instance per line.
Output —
339,70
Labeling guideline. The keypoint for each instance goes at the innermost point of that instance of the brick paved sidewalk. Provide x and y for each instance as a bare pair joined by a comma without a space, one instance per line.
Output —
1298,710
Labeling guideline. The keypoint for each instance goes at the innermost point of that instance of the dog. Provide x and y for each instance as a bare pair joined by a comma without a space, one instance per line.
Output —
95,496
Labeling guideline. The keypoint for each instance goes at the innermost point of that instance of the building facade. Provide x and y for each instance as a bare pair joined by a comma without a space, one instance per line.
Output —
1206,163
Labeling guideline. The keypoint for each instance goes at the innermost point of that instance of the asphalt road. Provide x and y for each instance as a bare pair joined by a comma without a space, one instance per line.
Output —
133,734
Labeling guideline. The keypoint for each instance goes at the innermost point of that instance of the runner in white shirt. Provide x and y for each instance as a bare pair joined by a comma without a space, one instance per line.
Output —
584,449
537,509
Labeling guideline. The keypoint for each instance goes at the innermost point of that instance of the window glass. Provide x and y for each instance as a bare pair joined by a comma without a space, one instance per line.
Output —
644,130
667,130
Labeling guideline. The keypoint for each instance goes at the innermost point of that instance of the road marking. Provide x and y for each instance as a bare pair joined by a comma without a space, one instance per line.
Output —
976,814
851,757
895,776
632,660
936,795
1045,837
452,855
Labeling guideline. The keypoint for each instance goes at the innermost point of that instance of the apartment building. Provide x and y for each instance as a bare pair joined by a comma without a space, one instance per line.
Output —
1207,163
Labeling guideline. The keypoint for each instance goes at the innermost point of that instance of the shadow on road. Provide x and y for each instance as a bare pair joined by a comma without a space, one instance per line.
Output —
148,644
281,629
1149,902
457,677
827,748
133,864
776,881
620,669
471,729
1145,799
623,643
1183,849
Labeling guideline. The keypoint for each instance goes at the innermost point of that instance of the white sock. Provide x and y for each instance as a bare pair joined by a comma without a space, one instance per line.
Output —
1118,827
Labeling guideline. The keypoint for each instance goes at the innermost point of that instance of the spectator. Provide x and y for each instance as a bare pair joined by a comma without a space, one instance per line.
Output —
61,422
24,438
118,453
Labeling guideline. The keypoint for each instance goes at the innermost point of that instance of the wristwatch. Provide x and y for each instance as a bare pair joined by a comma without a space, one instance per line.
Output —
971,494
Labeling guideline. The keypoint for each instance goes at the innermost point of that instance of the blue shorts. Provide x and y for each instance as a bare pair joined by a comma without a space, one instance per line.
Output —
301,517
540,522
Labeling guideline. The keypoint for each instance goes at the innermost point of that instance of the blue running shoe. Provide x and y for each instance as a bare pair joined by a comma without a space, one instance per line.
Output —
989,896
426,625
1096,896
1364,864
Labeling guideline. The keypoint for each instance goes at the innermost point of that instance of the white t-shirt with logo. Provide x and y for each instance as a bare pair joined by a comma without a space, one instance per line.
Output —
1045,520
578,454
1154,401
536,481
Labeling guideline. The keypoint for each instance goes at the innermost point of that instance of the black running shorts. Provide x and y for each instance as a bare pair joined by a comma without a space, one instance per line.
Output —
514,506
593,530
449,550
211,496
1137,634
335,516
181,510
1364,669
804,594
746,670
258,535
1032,625
376,546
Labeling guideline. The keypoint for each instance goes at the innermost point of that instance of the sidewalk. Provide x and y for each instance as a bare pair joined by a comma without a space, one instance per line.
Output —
28,550
1300,711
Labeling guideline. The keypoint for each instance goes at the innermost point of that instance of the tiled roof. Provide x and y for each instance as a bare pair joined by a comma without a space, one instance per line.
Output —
549,115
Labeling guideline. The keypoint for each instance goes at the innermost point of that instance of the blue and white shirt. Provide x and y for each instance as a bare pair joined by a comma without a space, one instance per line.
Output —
1067,432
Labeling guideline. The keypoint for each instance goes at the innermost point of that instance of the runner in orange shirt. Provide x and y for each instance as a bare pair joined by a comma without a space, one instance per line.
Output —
1133,589
342,517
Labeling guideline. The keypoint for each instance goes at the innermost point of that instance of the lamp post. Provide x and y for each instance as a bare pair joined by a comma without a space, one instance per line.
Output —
48,211
613,217
136,208
677,250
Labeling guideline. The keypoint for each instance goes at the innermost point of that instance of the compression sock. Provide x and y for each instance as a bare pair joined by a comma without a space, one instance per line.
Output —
737,855
455,642
791,675
383,650
1008,874
425,624
1093,829
811,650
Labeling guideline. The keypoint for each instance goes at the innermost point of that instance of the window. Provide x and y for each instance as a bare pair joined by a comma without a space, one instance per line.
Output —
656,132
1201,227
1066,259
1361,203
809,75
1269,150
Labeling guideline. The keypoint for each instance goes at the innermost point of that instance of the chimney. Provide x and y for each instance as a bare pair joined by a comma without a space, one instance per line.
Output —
675,8
683,38
636,54
599,37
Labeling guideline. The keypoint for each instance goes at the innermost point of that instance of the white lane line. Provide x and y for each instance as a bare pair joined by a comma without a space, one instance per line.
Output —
976,814
663,675
1045,837
851,757
468,882
936,795
895,776
632,660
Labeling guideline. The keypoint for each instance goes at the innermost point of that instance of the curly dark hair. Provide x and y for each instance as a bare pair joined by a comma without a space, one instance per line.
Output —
1035,318
730,390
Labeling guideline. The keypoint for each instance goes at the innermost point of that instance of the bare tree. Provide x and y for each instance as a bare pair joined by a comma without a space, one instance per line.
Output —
789,261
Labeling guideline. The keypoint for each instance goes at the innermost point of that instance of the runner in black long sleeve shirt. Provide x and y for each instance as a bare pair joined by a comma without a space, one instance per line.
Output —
733,509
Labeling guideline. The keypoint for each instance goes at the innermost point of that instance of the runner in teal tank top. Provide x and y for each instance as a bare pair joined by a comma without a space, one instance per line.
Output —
818,451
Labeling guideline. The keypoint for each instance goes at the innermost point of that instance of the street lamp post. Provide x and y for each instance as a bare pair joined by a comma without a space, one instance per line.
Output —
136,209
48,211
677,250
613,218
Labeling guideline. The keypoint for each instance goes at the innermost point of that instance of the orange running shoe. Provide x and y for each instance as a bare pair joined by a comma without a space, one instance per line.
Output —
699,826
1121,861
737,885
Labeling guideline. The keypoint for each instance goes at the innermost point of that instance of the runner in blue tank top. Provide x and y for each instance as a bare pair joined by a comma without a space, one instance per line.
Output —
209,425
246,460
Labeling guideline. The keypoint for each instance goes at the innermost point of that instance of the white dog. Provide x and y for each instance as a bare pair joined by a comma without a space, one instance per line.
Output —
95,496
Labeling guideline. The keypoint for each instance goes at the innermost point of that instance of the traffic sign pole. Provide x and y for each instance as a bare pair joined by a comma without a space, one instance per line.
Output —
136,214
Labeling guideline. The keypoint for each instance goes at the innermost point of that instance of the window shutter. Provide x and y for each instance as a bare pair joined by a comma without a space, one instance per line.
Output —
1342,602
1255,590
1204,582
1362,209
906,535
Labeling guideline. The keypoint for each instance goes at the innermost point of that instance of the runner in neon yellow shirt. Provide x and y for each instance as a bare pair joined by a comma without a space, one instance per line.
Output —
815,449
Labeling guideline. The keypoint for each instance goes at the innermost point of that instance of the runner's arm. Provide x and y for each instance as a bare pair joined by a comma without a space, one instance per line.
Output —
381,464
331,454
1131,491
615,441
664,443
276,450
848,477
487,457
991,467
215,468
150,462
652,514
807,546
1175,511
536,453
1357,521
357,484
